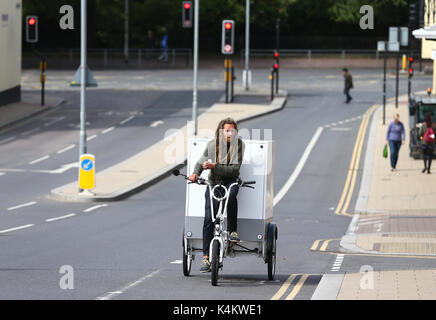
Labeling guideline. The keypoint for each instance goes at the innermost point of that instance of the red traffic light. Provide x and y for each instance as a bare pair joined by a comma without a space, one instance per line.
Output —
187,5
31,21
410,59
276,66
228,26
276,54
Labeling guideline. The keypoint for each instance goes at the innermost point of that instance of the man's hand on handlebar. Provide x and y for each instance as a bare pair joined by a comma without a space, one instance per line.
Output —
193,177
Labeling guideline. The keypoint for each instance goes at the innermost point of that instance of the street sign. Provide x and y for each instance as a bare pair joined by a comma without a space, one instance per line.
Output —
404,36
87,172
381,45
393,34
394,46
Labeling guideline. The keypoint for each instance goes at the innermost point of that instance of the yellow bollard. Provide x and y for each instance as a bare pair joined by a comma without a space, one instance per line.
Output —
404,63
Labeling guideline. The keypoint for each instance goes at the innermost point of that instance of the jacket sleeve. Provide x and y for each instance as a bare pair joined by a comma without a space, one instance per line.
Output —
198,169
389,131
231,170
403,132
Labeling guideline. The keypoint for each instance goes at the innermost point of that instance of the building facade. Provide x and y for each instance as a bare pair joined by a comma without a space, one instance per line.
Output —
10,50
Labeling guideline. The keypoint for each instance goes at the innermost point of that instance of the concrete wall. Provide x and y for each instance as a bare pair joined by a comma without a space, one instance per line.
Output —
10,50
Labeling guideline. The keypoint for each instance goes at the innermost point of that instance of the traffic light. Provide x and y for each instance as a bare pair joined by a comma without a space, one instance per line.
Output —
276,56
276,67
413,15
187,14
410,67
228,34
32,29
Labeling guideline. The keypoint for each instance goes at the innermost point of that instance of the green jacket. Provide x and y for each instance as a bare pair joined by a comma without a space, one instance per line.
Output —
348,81
222,172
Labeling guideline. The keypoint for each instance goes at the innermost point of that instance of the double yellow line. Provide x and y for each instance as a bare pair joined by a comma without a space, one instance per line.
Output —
350,182
295,290
323,246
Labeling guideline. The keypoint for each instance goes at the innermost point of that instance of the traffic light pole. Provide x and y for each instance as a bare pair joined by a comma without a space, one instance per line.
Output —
247,43
397,79
195,78
82,141
384,87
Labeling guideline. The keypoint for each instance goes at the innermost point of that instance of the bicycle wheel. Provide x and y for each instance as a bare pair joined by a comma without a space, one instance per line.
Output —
215,263
187,263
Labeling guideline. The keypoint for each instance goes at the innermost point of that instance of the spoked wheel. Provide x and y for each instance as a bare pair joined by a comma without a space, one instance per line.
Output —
215,263
187,263
272,250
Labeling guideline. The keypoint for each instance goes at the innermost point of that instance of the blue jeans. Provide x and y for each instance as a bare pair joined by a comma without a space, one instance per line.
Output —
395,146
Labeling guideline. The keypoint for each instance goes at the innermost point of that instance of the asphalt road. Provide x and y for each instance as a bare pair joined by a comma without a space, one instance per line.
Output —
132,249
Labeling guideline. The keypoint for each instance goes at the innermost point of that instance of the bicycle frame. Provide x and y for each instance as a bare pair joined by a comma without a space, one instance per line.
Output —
221,233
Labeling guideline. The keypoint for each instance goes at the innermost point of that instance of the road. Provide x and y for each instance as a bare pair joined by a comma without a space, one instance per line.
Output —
132,249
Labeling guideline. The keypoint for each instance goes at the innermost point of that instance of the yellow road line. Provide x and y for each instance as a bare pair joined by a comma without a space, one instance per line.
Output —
356,167
284,287
297,287
350,182
315,245
325,244
347,181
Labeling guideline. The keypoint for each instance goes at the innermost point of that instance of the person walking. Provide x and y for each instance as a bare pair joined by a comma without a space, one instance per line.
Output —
395,137
427,133
348,85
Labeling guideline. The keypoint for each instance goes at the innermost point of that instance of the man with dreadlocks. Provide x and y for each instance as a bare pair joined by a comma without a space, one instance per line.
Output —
223,157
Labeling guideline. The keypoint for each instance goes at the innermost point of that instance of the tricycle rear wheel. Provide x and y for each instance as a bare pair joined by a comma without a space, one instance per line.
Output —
215,263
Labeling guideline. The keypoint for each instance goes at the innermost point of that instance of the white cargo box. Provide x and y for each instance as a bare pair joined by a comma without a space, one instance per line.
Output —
255,206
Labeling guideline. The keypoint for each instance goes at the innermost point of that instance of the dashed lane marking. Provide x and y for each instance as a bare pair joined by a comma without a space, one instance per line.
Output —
16,228
61,217
22,205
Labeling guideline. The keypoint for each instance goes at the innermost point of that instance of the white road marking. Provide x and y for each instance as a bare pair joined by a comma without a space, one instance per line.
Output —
30,131
111,294
60,218
66,148
108,130
95,207
2,173
7,140
91,137
22,205
338,263
64,168
177,262
17,228
39,160
156,123
53,121
127,120
299,167
340,129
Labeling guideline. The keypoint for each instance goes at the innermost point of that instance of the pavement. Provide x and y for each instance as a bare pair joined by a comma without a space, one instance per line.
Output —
28,107
395,215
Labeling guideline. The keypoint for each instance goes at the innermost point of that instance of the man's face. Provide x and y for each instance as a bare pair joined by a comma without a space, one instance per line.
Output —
228,132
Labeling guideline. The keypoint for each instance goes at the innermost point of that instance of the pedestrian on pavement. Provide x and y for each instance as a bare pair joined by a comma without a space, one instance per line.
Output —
348,85
427,134
164,46
227,150
395,137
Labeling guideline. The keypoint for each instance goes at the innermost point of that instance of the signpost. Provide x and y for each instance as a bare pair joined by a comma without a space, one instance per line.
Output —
87,172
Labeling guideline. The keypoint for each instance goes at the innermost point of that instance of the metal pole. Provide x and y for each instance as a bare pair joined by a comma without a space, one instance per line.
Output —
126,31
278,50
82,142
384,88
195,79
247,43
397,79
